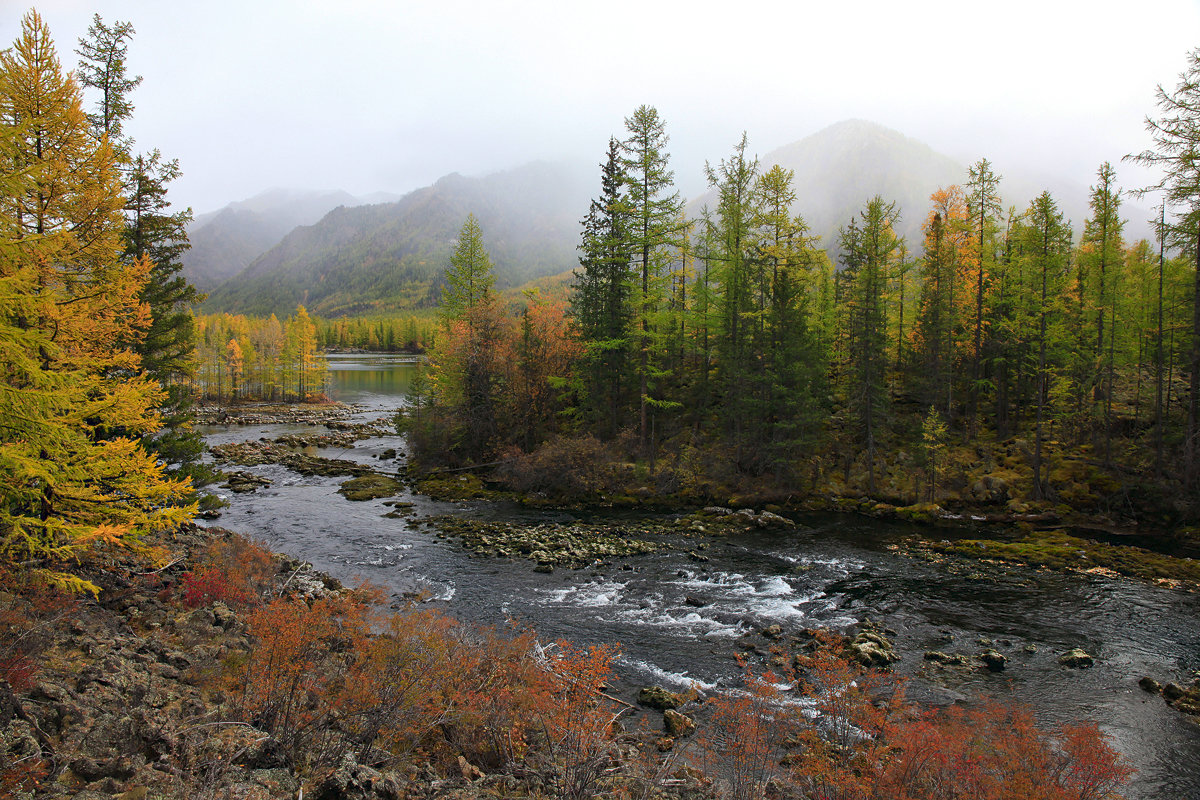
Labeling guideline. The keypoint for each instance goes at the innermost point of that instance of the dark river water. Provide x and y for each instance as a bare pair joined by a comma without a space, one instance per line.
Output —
831,570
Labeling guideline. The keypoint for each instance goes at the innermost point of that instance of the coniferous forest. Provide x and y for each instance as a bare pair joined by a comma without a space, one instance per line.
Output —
1012,368
1009,359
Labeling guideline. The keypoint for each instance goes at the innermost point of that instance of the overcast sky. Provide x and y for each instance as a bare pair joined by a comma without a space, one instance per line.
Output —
371,95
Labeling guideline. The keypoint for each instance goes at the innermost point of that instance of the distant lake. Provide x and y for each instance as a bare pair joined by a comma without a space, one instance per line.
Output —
376,380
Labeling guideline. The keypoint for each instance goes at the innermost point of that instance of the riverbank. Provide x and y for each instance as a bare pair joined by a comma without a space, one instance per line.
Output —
208,667
169,684
1051,536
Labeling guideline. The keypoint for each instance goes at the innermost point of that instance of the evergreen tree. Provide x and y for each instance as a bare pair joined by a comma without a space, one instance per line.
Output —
792,365
466,358
469,279
1100,258
741,301
154,233
102,67
1048,248
983,207
1176,151
941,298
600,298
869,252
654,213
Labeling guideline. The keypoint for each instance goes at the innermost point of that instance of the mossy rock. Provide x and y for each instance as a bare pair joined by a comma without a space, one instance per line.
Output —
370,487
1076,659
676,724
659,698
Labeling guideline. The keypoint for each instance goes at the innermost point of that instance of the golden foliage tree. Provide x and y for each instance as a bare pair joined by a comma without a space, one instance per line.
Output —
72,475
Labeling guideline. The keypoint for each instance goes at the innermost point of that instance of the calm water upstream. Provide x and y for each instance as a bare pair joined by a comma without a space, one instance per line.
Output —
831,570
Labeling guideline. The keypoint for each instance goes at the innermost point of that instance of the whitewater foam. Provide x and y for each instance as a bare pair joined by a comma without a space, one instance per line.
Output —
661,676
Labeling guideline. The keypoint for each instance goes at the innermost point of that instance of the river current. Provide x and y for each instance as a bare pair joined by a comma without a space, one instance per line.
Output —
831,570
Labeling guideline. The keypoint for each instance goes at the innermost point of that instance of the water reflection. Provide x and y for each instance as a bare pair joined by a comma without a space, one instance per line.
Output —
378,380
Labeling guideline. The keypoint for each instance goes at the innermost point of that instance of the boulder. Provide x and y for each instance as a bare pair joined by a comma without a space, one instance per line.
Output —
370,487
1172,691
676,724
768,519
871,648
659,698
1076,659
950,660
1150,685
994,660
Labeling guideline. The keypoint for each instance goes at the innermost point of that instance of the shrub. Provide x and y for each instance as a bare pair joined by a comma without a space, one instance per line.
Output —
997,752
291,678
577,722
741,743
235,571
842,735
563,466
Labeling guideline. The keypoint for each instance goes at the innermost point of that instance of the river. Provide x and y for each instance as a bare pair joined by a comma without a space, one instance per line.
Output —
830,570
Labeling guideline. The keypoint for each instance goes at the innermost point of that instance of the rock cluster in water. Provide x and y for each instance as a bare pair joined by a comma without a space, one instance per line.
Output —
721,520
327,414
370,487
575,545
240,482
871,647
256,453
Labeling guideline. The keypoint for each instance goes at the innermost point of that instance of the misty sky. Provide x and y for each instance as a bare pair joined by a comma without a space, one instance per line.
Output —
370,95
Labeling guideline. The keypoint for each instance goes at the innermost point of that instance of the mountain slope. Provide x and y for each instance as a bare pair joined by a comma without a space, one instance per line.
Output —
838,169
391,256
224,242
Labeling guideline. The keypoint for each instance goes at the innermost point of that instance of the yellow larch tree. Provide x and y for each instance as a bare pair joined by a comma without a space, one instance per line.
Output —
72,401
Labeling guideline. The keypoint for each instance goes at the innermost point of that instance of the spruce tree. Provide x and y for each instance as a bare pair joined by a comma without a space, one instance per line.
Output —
792,364
741,300
983,208
869,253
601,299
654,214
1047,240
102,67
465,364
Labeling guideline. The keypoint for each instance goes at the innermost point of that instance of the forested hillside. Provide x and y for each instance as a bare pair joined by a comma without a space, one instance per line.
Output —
224,242
391,256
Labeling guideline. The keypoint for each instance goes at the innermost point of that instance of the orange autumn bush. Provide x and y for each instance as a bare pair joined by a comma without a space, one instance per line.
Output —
998,752
838,731
235,571
330,677
577,722
290,682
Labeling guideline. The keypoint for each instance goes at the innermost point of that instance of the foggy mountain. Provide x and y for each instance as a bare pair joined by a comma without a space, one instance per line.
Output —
840,168
392,256
224,242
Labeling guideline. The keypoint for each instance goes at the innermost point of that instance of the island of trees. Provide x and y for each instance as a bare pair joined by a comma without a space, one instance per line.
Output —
1008,359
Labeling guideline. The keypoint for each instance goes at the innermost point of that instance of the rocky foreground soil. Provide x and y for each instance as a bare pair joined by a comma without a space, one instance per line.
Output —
128,695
